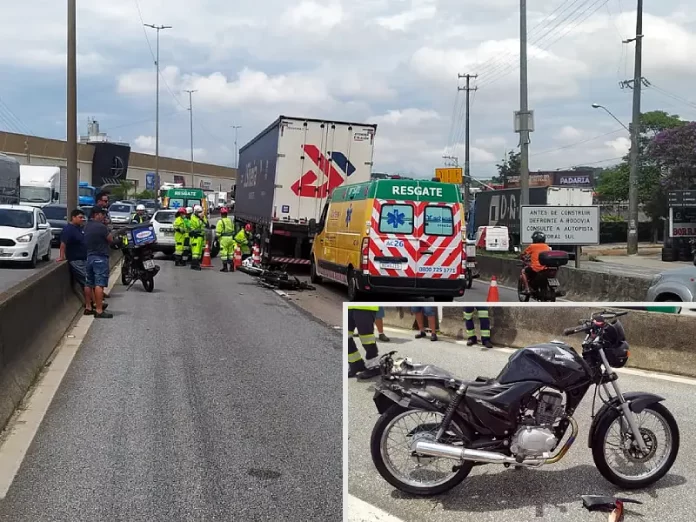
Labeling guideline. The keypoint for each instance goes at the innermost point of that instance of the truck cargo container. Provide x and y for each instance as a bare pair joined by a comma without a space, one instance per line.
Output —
287,172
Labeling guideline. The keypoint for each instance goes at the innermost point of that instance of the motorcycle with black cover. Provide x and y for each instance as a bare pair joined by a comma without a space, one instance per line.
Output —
523,417
136,241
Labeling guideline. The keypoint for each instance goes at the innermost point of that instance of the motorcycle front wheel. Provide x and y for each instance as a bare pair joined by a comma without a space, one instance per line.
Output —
429,475
630,469
126,276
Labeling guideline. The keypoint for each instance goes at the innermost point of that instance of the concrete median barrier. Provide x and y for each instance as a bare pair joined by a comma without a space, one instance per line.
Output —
579,284
34,316
659,342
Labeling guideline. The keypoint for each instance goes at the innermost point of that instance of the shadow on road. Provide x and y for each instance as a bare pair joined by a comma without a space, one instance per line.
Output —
533,488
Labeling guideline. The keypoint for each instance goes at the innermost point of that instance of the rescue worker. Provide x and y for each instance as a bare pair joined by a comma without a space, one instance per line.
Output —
180,230
225,234
532,251
484,324
140,216
197,234
362,318
187,236
243,239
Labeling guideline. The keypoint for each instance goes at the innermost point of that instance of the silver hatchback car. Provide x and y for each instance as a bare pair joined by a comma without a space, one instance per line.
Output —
121,213
678,285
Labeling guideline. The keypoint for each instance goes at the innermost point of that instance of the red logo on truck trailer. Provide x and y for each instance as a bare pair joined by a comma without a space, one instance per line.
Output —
305,186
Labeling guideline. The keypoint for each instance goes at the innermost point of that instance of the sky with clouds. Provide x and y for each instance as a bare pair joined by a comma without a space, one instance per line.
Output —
390,62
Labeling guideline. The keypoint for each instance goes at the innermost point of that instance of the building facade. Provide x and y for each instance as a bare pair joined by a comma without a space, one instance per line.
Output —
108,163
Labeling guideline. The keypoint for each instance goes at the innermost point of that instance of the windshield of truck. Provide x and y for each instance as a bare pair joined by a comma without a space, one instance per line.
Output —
56,213
35,194
86,191
16,218
396,219
439,221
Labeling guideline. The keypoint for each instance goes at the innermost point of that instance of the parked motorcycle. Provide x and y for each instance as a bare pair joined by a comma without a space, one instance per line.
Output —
136,242
544,286
520,417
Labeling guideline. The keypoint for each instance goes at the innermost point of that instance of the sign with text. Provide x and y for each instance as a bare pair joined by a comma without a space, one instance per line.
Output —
449,175
574,226
681,198
682,222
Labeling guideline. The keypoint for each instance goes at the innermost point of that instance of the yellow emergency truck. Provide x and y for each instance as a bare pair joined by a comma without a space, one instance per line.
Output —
393,236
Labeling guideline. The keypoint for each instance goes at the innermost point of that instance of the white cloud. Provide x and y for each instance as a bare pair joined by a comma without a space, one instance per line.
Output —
385,61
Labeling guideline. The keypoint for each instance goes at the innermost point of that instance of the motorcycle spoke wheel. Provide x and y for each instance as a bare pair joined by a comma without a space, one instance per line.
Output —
413,470
619,458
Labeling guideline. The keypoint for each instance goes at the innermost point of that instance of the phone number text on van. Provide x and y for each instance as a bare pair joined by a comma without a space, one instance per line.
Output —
437,270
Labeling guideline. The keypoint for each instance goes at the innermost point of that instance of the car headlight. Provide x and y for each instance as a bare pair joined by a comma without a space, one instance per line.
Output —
25,238
656,279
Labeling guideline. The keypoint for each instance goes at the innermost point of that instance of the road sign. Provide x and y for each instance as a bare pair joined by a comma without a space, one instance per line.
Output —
574,226
150,181
681,198
682,222
449,175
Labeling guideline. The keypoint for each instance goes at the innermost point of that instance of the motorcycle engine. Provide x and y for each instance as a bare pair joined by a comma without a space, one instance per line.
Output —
539,438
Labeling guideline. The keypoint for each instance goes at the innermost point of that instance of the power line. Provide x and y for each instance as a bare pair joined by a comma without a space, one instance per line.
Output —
548,151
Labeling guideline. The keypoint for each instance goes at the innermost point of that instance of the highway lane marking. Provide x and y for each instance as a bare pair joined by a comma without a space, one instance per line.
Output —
25,423
628,371
360,511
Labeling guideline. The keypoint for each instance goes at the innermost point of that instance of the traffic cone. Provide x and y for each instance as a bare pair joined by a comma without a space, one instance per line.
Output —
493,295
206,257
255,255
237,257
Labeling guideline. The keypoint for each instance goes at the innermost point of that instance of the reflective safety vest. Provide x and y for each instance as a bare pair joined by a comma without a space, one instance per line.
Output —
225,228
370,308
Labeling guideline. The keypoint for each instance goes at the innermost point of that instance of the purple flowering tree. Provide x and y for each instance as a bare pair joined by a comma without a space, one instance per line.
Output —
674,152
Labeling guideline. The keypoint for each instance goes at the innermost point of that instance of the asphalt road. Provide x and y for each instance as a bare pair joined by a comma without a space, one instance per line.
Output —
13,273
492,493
208,399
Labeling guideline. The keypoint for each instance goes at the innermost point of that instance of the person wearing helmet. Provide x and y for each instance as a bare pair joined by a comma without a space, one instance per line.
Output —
532,253
187,237
197,233
225,234
243,239
140,215
180,230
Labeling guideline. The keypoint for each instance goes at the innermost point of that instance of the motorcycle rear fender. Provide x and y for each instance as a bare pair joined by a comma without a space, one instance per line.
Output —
637,402
385,398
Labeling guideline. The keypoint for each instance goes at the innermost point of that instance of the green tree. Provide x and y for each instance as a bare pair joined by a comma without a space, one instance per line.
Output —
510,166
674,154
612,184
123,190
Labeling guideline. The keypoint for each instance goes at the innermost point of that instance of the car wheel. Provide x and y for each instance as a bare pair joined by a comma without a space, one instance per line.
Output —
47,257
34,258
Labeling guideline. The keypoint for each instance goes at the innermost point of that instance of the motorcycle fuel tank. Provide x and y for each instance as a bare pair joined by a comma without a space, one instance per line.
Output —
555,364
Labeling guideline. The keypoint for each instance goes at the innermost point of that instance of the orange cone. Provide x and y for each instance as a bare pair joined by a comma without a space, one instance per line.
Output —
237,257
206,257
493,295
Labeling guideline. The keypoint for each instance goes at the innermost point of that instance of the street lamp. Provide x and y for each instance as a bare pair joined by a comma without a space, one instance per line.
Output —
236,159
632,238
598,106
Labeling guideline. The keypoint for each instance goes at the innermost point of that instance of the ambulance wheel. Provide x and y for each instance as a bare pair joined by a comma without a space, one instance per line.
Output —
315,278
354,294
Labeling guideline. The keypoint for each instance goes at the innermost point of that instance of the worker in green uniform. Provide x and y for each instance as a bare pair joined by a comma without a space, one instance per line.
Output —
243,239
197,233
362,318
187,235
485,324
225,233
180,230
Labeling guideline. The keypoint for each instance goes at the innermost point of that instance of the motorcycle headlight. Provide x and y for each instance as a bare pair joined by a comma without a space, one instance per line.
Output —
25,238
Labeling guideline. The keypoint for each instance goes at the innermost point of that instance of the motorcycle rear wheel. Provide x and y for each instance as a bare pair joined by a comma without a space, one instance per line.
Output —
380,434
521,295
126,276
599,438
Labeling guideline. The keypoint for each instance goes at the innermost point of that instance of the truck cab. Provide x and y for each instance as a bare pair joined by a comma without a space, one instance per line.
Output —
39,186
86,194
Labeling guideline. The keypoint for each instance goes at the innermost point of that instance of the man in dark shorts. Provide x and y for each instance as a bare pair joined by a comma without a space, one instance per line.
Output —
98,240
73,249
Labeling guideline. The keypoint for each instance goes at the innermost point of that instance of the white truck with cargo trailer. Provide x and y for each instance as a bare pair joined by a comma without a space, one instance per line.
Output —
39,185
9,180
287,172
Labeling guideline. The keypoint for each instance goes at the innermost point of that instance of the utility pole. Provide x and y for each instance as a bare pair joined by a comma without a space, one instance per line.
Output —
190,93
157,28
525,120
236,153
466,179
71,153
632,240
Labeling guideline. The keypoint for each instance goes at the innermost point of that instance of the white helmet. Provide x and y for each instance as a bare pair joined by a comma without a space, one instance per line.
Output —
140,207
197,209
189,210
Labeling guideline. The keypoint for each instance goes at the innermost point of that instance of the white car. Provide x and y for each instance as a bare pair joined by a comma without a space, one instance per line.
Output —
163,223
25,235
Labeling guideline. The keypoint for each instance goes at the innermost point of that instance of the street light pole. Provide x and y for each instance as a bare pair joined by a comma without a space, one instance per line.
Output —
236,154
598,106
157,28
524,110
71,153
190,93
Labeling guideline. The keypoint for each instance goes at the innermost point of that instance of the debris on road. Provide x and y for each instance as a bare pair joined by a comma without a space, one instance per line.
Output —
281,280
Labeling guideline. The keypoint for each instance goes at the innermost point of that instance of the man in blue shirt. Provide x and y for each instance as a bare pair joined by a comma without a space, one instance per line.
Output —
72,249
98,240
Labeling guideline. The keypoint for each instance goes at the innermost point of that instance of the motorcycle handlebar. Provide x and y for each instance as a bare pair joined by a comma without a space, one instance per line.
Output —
587,326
